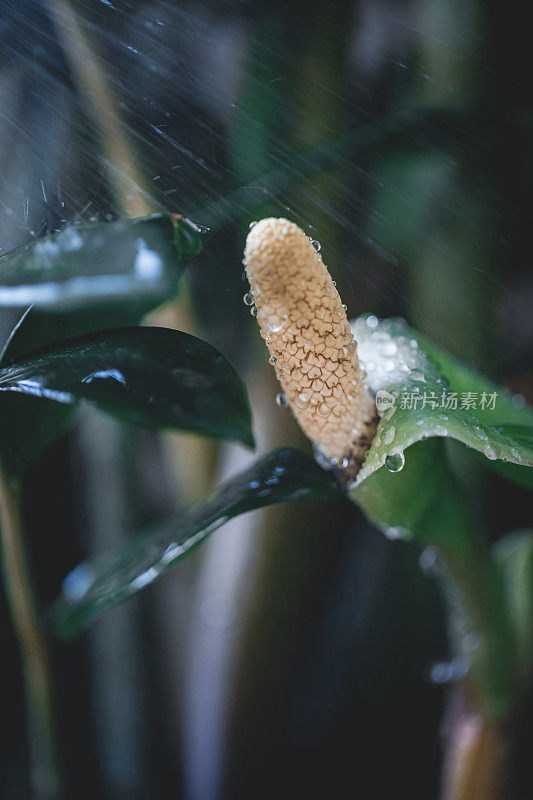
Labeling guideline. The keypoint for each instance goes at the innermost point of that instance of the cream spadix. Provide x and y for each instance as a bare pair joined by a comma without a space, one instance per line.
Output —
305,327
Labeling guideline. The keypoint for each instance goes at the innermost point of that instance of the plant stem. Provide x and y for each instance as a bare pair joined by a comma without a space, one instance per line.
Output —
44,767
476,748
475,761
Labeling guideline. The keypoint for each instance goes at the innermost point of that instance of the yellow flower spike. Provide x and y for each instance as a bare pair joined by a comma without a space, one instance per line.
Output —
312,348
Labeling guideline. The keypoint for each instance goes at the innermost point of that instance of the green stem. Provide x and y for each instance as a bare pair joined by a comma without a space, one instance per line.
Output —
474,585
44,767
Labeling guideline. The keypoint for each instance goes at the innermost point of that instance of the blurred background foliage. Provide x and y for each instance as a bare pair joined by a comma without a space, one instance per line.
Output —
292,655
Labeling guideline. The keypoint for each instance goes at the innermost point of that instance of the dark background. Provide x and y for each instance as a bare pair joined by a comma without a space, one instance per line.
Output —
291,656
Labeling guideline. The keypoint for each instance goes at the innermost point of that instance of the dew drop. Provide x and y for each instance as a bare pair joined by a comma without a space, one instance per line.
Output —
387,436
490,452
395,532
281,400
272,361
417,375
395,462
252,224
448,671
430,561
316,244
253,311
248,299
345,307
302,401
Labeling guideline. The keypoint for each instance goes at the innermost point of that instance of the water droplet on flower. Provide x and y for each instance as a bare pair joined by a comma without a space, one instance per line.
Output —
387,436
281,400
345,307
316,244
253,311
272,361
372,321
252,224
248,299
395,462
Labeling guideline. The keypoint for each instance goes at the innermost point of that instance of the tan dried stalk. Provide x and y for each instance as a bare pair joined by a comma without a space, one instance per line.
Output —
312,348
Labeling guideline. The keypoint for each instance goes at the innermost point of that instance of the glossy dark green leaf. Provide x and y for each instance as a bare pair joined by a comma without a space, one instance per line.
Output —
149,376
84,265
426,393
34,424
278,477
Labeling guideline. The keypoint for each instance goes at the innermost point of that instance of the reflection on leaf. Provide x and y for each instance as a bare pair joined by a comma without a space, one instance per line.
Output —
278,477
149,376
86,264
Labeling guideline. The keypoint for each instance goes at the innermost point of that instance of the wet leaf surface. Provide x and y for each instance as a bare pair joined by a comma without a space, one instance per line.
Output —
34,424
84,265
426,393
149,376
278,477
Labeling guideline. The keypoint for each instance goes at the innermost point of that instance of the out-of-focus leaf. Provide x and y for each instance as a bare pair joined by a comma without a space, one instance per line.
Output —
149,376
278,477
424,502
425,393
514,553
86,264
33,424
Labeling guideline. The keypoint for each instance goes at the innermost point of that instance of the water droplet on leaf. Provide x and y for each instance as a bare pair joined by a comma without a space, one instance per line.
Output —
387,436
395,462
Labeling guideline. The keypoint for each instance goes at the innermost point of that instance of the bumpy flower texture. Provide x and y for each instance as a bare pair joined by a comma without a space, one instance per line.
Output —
312,348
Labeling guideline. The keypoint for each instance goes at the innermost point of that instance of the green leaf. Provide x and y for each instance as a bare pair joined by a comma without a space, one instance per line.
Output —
419,382
514,553
278,477
424,502
34,424
149,376
84,265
